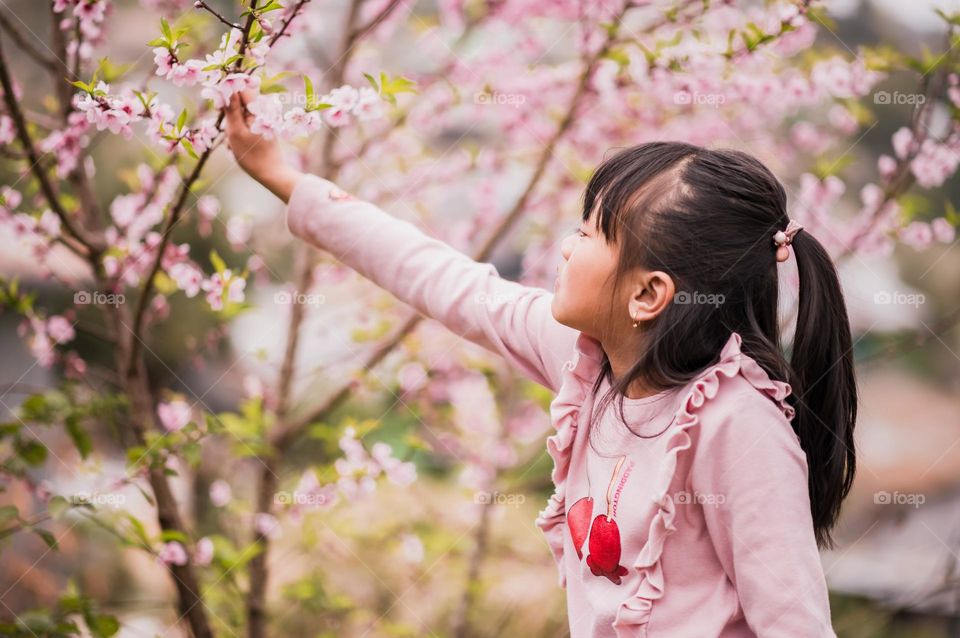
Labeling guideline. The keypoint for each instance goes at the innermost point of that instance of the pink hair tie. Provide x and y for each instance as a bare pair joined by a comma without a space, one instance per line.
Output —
783,238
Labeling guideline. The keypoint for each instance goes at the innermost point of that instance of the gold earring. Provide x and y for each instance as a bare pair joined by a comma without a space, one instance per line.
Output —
636,323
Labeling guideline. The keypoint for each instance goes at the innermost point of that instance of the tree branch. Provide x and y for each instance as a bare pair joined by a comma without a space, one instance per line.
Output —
21,41
23,134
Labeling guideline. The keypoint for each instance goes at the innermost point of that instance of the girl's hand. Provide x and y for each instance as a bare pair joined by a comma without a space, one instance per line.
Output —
262,159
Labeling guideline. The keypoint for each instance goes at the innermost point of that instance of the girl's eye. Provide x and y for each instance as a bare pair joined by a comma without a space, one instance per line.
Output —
581,233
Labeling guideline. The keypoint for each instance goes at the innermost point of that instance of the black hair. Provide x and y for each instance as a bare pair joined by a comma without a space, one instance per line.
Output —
707,218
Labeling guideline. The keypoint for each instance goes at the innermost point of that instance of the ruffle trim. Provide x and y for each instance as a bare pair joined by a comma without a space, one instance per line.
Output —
579,373
634,612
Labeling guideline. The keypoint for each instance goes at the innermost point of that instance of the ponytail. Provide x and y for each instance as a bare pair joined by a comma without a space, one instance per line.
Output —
824,385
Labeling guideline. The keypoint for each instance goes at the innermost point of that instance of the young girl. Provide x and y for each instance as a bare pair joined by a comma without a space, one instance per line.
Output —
696,508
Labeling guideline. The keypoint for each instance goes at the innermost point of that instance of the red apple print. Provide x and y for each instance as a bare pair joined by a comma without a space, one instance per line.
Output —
578,520
604,557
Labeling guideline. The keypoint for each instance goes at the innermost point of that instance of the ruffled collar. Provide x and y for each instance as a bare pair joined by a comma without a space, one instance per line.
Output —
591,356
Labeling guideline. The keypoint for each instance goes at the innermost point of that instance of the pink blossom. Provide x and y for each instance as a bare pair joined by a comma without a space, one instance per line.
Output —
934,163
174,415
220,493
268,115
238,231
267,525
342,100
918,235
299,123
842,119
208,206
186,74
60,329
902,142
886,166
220,282
164,60
232,83
412,376
187,277
49,223
7,132
369,105
943,230
172,553
396,471
203,553
412,548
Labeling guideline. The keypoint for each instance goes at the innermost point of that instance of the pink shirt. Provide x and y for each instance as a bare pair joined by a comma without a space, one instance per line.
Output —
713,514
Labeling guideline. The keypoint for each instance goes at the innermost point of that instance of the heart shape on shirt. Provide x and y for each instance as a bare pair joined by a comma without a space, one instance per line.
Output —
604,558
578,520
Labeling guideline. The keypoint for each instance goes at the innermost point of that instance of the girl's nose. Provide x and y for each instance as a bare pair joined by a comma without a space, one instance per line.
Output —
566,246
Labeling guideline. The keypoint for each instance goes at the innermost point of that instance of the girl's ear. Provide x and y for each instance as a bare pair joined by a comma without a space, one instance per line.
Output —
651,292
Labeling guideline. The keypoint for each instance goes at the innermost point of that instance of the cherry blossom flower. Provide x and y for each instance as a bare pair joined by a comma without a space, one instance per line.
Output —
220,493
172,553
174,415
203,553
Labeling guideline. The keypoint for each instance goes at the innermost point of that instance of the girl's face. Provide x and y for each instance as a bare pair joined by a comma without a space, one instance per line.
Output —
583,291
584,297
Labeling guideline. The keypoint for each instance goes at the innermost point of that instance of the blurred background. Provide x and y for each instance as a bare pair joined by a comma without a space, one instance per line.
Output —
456,552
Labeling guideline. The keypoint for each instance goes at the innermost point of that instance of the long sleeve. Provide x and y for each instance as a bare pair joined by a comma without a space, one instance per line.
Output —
751,462
468,297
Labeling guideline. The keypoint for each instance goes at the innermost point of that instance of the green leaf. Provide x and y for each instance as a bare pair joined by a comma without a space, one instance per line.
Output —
189,147
80,437
218,264
168,535
57,505
166,29
47,537
103,626
271,6
83,86
9,513
391,87
138,529
181,120
33,452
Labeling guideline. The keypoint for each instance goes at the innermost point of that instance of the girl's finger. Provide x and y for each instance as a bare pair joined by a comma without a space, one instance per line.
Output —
234,114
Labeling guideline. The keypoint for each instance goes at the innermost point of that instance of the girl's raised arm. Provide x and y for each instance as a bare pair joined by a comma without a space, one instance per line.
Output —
468,297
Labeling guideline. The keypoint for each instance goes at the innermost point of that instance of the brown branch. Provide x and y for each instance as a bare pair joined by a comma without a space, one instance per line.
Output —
267,480
177,210
286,23
903,179
360,32
216,14
21,41
23,134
